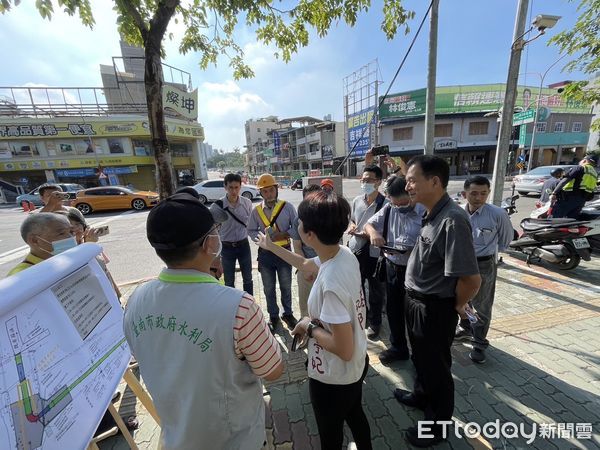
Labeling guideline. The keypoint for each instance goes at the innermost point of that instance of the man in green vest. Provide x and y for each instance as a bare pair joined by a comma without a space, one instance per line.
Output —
575,189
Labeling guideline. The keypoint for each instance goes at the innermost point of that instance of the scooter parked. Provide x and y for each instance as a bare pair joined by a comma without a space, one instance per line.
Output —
560,242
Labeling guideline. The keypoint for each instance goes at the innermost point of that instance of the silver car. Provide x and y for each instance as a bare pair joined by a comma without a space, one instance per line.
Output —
532,181
211,190
34,196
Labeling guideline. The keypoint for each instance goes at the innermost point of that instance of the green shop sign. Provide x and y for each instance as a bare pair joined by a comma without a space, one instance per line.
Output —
474,98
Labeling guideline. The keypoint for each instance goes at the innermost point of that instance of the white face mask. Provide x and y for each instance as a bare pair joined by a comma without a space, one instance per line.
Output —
219,247
61,245
367,188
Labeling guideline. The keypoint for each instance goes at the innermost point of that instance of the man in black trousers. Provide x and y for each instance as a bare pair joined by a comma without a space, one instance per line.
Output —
441,278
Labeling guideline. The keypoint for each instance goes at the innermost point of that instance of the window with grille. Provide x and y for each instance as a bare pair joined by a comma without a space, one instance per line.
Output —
540,127
577,127
403,134
443,130
559,127
478,128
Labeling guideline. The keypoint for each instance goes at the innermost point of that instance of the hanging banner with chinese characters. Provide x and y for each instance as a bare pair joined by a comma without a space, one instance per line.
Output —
181,102
360,131
91,128
474,98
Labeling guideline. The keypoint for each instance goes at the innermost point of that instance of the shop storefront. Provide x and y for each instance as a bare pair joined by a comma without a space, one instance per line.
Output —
92,152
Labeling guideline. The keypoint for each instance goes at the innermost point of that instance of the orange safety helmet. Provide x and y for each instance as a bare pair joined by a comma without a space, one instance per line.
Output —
266,180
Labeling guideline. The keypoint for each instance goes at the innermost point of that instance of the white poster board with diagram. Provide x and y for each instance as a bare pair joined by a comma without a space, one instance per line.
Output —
62,351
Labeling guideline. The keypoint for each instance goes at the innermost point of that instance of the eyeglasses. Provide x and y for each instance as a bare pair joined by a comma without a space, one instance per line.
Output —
216,227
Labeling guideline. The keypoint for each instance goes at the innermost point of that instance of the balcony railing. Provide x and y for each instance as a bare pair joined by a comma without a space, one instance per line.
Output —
48,102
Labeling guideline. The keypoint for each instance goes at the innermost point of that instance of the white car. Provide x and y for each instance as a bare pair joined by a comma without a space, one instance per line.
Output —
211,190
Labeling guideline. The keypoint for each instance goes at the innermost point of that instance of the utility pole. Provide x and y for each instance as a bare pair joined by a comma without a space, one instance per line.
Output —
510,96
431,76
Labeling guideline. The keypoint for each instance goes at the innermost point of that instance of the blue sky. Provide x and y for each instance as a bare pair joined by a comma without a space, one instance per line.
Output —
474,41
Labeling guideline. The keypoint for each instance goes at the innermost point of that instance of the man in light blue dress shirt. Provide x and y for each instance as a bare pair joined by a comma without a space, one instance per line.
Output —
492,232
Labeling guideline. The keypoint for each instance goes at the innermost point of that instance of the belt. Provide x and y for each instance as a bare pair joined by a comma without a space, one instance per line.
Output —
485,258
235,244
425,297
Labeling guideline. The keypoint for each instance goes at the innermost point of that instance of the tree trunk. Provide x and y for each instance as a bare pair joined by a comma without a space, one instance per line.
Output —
153,81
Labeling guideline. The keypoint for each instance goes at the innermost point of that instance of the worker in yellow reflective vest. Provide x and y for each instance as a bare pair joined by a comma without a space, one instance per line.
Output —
275,217
576,187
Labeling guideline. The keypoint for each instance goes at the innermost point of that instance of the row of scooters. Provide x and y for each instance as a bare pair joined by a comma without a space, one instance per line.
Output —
561,242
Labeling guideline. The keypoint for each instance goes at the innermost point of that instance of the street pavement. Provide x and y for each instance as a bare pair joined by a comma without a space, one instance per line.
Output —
542,369
543,365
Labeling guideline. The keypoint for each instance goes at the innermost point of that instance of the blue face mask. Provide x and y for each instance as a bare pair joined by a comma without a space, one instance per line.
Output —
62,245
367,188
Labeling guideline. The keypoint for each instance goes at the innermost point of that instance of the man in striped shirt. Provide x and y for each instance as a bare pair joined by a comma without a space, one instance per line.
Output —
202,348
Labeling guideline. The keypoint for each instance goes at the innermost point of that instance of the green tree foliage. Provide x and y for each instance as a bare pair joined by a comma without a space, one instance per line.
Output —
583,43
230,160
210,27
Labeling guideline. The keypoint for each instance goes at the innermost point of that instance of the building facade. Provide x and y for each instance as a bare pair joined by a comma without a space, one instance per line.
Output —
466,126
295,146
94,136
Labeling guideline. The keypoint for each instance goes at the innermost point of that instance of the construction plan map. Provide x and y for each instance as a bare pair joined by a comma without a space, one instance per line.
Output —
62,351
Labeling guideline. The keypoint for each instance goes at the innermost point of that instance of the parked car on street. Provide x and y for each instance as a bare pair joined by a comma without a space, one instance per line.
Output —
532,181
34,196
113,197
211,190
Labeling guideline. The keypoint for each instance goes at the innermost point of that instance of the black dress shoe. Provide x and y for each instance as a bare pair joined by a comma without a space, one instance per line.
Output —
412,436
391,354
409,399
289,320
373,332
273,322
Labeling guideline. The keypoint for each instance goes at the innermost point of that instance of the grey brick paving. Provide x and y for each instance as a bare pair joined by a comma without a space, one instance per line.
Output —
543,367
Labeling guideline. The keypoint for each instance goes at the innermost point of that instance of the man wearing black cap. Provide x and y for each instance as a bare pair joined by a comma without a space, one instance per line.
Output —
202,347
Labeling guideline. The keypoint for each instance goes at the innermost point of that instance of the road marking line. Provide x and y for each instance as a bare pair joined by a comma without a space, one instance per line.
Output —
14,254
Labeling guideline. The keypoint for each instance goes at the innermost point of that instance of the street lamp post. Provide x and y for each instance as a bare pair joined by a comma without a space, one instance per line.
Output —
541,22
537,107
509,103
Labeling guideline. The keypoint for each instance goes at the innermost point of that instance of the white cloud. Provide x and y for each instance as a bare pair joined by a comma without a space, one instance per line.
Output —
229,87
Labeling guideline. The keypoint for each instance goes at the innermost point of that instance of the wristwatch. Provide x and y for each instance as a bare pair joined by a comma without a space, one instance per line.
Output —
309,329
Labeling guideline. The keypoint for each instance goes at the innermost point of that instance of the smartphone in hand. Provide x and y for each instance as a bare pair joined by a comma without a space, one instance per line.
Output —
102,231
294,343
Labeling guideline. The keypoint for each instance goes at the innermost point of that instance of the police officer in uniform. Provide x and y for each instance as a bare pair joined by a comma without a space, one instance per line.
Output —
441,278
576,187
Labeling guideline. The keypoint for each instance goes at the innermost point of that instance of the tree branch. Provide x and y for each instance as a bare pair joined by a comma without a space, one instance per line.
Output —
162,16
127,5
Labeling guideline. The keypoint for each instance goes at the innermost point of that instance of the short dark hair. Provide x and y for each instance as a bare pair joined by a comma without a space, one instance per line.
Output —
232,178
432,166
479,180
326,215
375,169
396,186
177,256
310,188
46,186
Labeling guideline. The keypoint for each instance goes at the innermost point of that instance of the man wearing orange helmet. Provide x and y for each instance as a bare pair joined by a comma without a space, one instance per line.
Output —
275,217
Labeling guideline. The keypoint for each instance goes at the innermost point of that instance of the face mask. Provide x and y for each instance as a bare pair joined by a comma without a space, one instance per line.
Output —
367,188
219,247
62,245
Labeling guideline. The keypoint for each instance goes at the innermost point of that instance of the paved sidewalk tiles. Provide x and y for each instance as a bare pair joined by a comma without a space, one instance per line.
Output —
543,367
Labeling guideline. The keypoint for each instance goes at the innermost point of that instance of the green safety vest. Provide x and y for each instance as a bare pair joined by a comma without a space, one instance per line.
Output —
186,278
588,181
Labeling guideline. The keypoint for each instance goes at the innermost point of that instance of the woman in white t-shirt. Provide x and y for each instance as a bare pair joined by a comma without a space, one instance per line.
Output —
337,344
